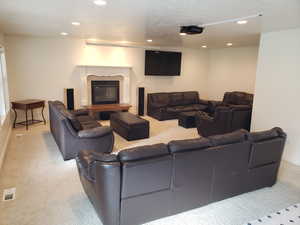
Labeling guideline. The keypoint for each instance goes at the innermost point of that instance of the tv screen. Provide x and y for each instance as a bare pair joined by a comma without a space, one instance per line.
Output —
161,63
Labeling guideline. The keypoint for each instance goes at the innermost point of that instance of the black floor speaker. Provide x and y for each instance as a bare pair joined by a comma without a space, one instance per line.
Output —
141,101
69,98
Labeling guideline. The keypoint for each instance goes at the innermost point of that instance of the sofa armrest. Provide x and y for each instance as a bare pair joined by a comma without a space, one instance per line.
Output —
80,112
86,159
203,102
203,116
212,105
96,132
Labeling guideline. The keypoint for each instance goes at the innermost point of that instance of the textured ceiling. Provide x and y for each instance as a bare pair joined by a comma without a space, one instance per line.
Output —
138,20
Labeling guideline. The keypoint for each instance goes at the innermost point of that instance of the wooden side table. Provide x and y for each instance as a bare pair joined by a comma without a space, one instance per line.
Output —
26,105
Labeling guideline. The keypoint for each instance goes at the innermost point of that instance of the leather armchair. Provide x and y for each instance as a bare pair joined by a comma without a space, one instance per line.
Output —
225,119
231,99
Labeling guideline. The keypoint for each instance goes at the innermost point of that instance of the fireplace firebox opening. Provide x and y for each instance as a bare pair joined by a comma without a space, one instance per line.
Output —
105,92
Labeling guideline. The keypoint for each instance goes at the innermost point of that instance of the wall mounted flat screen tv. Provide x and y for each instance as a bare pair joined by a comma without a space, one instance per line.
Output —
162,63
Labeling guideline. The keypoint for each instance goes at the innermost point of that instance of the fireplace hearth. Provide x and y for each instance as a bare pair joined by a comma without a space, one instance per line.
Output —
105,92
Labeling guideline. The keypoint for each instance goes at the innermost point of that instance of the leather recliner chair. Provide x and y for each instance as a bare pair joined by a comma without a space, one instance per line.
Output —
150,182
231,99
74,131
225,119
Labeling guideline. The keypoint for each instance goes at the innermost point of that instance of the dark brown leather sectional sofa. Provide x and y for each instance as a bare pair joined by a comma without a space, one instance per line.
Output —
150,182
167,105
76,130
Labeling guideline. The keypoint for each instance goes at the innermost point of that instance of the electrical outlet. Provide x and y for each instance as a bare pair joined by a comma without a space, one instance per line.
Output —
9,194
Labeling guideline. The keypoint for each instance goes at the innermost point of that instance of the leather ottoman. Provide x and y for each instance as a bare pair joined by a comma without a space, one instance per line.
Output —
187,119
129,126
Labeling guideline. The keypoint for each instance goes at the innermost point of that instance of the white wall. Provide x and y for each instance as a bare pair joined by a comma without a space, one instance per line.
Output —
277,93
43,67
231,69
1,39
5,127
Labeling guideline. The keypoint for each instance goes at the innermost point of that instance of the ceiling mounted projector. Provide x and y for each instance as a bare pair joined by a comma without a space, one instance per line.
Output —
198,29
193,29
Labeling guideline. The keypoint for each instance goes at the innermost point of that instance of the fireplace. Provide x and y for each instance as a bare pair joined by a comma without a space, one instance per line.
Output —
105,92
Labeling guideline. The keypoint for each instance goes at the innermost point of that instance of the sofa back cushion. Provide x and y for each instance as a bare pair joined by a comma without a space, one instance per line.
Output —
71,119
145,169
176,98
161,99
229,138
189,145
191,97
238,98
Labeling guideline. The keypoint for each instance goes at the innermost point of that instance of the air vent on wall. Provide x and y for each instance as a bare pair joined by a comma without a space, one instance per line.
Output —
9,194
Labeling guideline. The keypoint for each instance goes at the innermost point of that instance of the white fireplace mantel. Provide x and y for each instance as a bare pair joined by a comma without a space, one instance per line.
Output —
99,70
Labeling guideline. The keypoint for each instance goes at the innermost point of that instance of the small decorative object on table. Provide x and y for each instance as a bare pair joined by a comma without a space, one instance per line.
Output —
26,105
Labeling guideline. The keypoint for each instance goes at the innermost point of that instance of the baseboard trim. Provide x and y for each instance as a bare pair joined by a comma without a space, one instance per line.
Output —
2,156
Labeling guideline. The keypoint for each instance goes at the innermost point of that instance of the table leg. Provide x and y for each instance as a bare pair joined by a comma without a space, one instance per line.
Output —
43,114
26,119
15,120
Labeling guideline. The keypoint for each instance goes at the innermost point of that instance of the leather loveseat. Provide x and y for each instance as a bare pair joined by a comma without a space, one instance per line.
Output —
76,130
150,182
166,106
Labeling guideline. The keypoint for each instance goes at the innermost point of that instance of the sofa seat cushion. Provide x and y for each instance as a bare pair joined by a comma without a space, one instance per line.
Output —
181,108
89,124
199,107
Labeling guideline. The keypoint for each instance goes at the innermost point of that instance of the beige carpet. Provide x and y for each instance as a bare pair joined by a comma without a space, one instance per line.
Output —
49,191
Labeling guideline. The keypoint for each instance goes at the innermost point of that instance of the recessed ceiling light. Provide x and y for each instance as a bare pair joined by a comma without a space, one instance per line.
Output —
204,46
92,39
149,40
76,23
229,44
100,2
242,22
182,34
64,34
